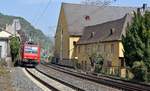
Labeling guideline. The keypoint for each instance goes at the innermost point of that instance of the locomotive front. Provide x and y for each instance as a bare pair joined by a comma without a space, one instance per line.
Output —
30,54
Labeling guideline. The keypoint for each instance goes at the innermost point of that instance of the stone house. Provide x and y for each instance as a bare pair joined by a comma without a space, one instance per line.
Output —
72,20
9,31
4,44
104,39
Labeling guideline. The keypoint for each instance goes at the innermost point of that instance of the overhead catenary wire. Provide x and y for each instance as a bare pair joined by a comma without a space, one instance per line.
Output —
42,14
44,10
37,19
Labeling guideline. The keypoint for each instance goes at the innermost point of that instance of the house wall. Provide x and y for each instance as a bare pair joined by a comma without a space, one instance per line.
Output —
10,29
105,49
121,50
83,52
4,50
72,47
62,38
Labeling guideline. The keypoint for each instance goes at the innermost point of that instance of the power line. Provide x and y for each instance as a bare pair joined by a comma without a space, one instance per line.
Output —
43,12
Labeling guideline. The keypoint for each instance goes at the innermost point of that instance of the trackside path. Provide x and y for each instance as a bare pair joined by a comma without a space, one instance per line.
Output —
21,82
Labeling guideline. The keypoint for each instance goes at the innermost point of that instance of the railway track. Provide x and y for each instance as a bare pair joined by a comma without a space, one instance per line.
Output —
67,87
109,81
42,82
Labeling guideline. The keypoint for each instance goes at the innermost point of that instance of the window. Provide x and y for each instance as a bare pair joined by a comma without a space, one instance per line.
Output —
0,51
74,43
88,48
122,62
94,48
82,64
33,50
85,48
91,48
85,65
99,47
109,64
61,31
79,49
104,47
112,48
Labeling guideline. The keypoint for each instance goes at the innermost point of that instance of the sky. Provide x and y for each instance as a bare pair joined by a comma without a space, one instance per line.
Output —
43,14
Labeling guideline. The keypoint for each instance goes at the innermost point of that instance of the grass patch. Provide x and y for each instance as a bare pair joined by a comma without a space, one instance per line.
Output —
3,69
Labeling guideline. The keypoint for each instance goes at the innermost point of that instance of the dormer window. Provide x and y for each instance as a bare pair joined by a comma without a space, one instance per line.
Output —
87,17
92,34
112,30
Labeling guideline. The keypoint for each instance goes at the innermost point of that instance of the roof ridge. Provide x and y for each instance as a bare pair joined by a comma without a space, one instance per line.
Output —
105,34
63,3
126,21
7,32
124,17
75,14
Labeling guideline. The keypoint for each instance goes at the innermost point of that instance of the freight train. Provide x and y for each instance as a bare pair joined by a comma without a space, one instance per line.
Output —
29,54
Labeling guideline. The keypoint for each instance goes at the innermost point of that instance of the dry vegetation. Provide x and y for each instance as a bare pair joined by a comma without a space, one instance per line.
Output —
5,84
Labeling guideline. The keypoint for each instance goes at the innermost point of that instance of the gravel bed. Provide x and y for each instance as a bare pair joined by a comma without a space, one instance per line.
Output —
21,82
82,83
53,83
5,83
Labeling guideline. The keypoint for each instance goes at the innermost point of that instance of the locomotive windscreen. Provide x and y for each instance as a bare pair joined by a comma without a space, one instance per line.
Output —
31,49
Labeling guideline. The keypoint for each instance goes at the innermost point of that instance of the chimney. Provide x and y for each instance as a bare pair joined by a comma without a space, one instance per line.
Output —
144,6
138,10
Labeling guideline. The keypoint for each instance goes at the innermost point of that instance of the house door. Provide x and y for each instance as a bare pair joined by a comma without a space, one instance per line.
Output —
0,51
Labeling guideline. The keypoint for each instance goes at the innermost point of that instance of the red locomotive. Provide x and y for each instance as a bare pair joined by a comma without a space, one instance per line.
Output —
29,54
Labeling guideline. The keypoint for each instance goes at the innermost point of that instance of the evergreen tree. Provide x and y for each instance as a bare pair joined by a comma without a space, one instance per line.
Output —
14,46
136,44
147,39
132,42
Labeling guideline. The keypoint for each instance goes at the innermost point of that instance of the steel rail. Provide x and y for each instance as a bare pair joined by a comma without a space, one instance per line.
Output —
62,82
42,82
117,83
